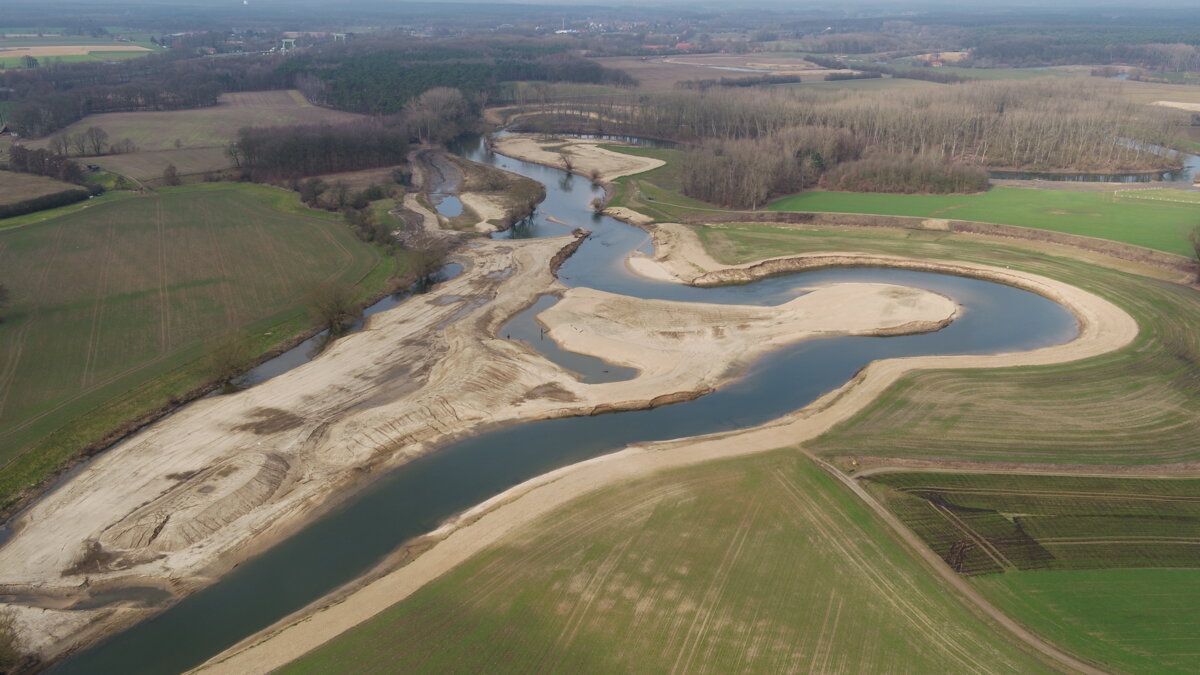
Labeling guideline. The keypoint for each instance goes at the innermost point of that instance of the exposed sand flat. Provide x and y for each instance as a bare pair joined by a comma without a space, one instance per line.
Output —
487,208
1104,327
586,155
675,341
1178,105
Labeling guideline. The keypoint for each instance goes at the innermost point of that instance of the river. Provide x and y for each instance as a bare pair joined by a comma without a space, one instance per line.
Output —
416,498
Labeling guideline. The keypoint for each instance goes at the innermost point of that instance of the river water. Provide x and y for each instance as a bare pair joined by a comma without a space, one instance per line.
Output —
416,498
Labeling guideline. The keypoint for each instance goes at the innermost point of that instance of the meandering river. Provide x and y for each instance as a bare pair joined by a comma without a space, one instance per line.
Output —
417,497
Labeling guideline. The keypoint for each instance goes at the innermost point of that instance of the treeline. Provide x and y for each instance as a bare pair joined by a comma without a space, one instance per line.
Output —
270,153
51,97
906,175
43,163
50,201
758,81
744,173
1038,125
382,78
1046,50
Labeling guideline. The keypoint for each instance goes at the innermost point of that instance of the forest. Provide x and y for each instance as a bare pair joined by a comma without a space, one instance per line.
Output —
381,77
749,144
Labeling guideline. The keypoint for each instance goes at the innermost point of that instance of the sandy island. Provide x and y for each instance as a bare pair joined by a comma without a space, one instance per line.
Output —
191,496
586,155
679,256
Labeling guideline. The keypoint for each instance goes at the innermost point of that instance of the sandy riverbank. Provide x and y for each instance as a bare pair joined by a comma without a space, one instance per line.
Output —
1103,327
188,498
586,156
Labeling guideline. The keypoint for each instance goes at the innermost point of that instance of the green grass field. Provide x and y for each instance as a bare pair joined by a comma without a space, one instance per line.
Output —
1159,221
1131,620
113,303
762,564
1107,567
1158,225
1139,405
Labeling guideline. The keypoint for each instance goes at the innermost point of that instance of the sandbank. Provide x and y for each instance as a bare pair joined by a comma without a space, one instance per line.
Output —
586,156
1104,327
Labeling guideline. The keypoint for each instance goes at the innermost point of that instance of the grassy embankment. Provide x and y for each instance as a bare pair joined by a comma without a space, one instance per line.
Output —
761,564
113,305
1137,406
1104,566
1158,219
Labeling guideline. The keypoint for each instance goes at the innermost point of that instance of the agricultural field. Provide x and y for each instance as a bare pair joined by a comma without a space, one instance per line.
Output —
989,523
761,564
194,140
1133,620
17,187
658,74
1107,567
1137,406
873,84
1159,219
1159,225
50,48
113,305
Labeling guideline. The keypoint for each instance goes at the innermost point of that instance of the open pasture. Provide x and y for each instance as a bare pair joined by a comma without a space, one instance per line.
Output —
1137,406
1130,620
208,127
1159,224
657,74
983,523
762,564
116,302
149,166
17,187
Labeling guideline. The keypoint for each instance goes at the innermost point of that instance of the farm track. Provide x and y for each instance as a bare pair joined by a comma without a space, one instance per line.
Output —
164,293
956,582
92,346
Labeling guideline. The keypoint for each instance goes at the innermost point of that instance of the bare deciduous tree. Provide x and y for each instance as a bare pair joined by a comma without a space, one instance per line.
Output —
332,305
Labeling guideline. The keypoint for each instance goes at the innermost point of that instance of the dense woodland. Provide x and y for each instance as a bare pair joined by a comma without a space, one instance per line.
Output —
381,77
739,137
270,153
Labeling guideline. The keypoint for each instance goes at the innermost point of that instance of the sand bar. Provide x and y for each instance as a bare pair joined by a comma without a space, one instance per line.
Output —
1104,327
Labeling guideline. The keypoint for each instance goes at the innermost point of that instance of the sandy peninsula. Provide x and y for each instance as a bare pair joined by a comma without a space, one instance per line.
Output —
679,256
191,496
585,155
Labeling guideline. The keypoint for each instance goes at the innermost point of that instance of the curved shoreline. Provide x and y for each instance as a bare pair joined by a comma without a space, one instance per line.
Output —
1104,327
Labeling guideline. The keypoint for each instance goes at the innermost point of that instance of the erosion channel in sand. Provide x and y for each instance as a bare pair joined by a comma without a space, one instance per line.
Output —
433,370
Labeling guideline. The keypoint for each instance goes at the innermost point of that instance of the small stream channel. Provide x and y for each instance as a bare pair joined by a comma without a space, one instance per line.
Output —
416,498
